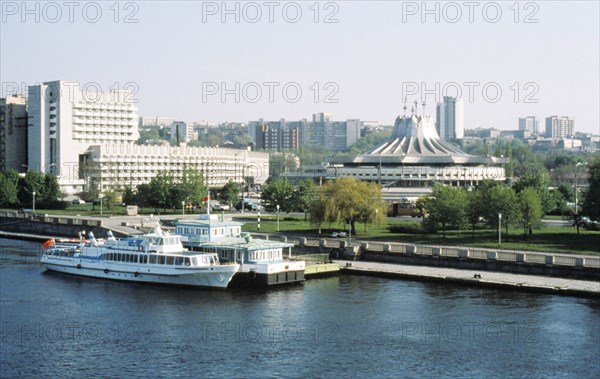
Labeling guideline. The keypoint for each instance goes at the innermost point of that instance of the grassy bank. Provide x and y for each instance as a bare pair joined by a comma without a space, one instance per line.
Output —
546,239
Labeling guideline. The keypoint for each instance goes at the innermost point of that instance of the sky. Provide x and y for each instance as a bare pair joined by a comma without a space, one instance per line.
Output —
241,61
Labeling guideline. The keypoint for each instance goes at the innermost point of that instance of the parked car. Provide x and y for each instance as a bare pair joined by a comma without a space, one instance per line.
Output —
216,206
249,206
77,201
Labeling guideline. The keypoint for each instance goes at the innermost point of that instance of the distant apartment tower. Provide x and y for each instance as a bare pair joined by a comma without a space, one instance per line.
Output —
13,133
275,135
529,123
334,135
181,132
560,127
64,121
450,118
155,122
339,135
290,135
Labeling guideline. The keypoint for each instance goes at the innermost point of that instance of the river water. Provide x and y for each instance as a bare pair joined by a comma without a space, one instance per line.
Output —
55,325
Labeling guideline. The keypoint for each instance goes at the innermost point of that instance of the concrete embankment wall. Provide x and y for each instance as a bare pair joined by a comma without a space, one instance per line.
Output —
520,262
12,222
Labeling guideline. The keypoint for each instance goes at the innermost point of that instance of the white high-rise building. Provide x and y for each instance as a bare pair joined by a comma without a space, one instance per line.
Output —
529,123
64,121
560,127
450,118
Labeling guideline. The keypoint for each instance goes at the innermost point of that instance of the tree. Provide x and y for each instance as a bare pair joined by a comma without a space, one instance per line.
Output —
279,192
475,208
109,199
193,187
530,210
229,193
8,191
129,196
498,198
446,206
305,195
349,201
33,181
143,195
537,178
591,204
159,190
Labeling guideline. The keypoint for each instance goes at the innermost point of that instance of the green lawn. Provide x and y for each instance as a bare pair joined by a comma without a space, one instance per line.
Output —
547,239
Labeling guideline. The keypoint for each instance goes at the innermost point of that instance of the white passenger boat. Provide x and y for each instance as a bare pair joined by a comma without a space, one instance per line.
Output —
262,262
156,257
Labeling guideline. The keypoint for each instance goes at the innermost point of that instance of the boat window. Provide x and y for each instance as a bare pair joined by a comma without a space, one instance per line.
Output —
170,260
161,260
152,259
179,261
194,261
187,262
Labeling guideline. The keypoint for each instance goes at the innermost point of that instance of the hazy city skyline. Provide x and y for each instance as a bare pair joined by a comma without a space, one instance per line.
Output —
197,61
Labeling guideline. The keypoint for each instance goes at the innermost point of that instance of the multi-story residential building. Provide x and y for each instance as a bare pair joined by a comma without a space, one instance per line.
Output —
181,132
13,133
289,135
276,135
450,119
339,135
560,127
155,122
529,123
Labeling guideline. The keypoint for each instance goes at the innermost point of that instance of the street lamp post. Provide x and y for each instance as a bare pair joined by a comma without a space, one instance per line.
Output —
499,229
258,224
277,217
101,197
182,208
377,216
33,206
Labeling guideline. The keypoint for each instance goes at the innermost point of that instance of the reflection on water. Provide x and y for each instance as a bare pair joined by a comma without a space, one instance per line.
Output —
56,325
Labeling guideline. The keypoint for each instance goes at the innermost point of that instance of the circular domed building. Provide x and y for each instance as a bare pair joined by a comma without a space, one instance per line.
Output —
413,160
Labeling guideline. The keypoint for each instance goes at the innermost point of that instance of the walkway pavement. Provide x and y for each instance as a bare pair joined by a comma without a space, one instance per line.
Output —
470,277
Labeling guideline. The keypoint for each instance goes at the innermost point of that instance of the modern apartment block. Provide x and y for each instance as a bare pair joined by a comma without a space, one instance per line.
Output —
181,132
275,135
290,135
155,122
529,123
560,127
450,118
13,133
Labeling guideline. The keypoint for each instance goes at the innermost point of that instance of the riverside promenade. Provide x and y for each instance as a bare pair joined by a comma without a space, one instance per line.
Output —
474,277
